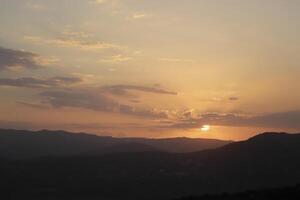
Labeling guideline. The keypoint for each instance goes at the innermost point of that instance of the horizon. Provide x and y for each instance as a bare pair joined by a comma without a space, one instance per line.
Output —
155,69
150,138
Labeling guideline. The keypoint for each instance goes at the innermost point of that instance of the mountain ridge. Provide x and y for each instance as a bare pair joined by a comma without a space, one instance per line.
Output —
24,144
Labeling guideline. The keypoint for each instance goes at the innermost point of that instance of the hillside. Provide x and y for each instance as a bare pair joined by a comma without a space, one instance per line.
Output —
265,161
290,193
29,144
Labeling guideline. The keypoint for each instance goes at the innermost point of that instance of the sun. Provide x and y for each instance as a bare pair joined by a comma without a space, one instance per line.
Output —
205,128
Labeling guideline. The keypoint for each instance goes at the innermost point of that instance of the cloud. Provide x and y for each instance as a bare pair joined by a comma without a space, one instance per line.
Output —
116,59
100,1
71,33
11,59
220,99
233,98
290,119
122,89
79,98
34,105
138,16
36,7
95,101
177,60
39,83
80,43
146,113
56,92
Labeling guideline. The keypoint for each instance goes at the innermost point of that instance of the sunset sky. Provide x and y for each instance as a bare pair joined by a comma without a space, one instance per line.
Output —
151,68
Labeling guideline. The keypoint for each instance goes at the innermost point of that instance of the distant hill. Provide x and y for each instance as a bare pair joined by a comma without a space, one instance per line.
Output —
26,144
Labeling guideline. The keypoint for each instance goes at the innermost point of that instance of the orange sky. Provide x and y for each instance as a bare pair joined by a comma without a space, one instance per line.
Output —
151,68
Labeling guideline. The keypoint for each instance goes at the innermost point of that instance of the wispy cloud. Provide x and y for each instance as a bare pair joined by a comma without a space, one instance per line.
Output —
84,45
76,39
116,59
233,98
39,83
289,119
177,60
137,16
100,1
122,89
80,43
65,92
220,99
71,33
36,6
96,101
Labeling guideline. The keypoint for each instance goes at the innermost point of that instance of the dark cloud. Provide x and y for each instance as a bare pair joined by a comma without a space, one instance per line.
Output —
10,58
57,93
34,105
39,83
220,100
135,101
233,98
147,113
95,101
289,119
122,89
78,98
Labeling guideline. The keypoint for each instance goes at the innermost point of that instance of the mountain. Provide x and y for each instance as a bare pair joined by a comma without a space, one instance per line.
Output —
290,193
269,160
26,144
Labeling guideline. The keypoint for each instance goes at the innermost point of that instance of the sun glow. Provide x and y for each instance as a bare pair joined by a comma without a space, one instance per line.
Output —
205,128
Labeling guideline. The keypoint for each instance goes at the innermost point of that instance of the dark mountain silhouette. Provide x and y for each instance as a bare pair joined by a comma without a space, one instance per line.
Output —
286,193
127,148
26,144
269,160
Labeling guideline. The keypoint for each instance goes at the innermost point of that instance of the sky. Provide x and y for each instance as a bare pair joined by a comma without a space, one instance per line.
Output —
151,68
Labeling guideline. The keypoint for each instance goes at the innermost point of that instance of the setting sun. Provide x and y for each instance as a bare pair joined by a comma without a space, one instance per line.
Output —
205,128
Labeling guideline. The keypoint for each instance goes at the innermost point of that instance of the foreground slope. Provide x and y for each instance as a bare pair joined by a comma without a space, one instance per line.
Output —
285,193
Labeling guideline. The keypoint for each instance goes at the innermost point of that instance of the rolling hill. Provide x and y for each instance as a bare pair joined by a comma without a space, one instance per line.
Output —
26,144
